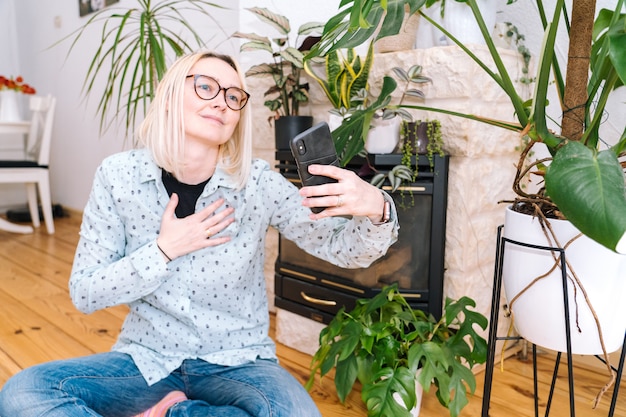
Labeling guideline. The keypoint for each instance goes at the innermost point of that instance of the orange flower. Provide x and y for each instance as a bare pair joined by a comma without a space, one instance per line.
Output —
16,84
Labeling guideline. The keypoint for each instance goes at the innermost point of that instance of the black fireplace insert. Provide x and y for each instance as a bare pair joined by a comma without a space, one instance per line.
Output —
316,289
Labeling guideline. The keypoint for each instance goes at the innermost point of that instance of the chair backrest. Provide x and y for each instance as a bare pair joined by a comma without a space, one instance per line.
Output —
40,135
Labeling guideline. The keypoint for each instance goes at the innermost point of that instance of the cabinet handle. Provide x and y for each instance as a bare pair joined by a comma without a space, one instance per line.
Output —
317,300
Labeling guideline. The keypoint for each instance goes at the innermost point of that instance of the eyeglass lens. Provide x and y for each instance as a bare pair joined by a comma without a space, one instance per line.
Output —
208,88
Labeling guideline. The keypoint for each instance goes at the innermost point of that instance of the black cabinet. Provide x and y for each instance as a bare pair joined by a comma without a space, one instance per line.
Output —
316,289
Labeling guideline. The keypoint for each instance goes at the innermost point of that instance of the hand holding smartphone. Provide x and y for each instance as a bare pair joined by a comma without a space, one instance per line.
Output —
314,146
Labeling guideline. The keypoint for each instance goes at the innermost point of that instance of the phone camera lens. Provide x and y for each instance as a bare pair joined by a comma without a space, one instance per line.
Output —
301,148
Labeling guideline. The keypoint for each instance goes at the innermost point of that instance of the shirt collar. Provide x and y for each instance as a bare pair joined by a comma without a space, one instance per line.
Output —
152,172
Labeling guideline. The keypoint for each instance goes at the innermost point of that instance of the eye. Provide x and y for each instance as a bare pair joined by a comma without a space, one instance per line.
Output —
205,86
233,96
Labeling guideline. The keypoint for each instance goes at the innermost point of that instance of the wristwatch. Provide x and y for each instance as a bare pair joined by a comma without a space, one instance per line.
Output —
386,212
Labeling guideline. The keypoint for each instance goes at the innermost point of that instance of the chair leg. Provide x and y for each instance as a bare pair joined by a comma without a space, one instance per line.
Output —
46,204
31,192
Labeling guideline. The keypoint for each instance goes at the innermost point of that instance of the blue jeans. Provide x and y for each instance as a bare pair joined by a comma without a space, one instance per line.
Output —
110,385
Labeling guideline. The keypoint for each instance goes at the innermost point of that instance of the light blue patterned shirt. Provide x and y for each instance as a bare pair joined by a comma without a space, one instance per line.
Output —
210,304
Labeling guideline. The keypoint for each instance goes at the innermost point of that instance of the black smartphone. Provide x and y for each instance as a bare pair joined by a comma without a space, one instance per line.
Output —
314,146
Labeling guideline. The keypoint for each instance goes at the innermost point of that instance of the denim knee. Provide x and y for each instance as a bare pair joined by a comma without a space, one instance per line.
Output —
21,392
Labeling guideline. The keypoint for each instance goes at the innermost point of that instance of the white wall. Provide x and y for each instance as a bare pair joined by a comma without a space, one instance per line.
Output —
77,147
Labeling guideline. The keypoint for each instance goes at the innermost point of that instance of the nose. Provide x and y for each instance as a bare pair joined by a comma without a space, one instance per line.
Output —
220,99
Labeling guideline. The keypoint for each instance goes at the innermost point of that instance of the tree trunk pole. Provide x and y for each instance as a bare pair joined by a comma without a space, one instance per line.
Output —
577,73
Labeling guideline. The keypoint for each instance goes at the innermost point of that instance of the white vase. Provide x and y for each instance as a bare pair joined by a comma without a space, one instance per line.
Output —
459,20
383,136
334,121
538,314
419,392
9,107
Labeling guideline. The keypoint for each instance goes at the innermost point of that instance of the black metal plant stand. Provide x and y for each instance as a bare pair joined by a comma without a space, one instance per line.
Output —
493,337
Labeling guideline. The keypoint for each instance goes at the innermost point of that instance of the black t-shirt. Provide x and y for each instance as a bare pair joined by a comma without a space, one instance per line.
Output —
187,194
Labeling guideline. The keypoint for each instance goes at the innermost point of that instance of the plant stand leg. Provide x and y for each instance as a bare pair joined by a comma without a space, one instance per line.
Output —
620,370
493,338
493,324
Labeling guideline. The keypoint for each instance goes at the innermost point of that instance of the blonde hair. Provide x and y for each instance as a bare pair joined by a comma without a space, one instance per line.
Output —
163,129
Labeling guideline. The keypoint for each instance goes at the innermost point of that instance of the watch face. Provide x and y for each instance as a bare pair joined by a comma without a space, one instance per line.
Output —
386,211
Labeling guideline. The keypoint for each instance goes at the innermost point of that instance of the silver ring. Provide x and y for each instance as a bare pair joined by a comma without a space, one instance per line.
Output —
339,201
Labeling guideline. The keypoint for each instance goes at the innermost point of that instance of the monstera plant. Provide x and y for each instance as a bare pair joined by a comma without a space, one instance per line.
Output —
383,342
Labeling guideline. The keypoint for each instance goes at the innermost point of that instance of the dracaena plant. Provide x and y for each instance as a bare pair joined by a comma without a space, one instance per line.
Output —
286,65
383,342
133,50
584,180
345,76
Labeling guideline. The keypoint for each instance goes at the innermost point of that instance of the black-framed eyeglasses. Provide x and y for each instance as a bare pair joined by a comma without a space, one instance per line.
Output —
208,88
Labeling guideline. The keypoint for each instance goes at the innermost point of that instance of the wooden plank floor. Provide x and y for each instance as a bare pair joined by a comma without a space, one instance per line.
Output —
38,323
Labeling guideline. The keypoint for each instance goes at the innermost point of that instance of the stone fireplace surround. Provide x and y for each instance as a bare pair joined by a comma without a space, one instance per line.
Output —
482,167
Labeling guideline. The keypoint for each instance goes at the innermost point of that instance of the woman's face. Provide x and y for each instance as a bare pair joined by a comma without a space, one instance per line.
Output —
210,122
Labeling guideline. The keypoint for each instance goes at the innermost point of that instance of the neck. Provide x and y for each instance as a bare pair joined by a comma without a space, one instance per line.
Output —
199,165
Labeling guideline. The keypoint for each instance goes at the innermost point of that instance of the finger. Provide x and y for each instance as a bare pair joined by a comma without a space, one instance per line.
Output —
210,209
330,202
320,190
217,225
327,171
170,208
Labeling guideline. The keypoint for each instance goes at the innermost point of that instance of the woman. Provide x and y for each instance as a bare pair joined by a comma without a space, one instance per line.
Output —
177,231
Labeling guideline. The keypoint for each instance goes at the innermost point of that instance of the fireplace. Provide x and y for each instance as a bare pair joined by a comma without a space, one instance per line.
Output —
316,289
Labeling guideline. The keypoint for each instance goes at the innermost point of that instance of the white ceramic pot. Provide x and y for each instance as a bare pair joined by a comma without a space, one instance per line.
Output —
383,136
9,107
419,391
538,314
334,121
459,20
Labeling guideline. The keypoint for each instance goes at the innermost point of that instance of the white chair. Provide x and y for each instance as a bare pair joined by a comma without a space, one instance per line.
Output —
33,170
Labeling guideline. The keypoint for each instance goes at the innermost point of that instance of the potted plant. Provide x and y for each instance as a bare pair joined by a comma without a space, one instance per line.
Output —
132,52
584,181
360,129
344,82
353,133
9,89
422,137
383,342
288,91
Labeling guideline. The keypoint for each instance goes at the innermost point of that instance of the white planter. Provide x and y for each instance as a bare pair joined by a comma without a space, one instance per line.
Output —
419,391
334,121
538,314
459,20
383,136
9,107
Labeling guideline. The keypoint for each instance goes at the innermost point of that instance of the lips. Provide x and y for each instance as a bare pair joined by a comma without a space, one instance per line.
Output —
213,118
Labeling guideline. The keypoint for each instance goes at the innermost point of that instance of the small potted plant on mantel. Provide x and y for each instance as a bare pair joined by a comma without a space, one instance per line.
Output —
582,181
288,91
392,349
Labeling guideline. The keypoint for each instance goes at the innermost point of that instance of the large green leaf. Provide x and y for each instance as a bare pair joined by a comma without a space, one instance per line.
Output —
588,187
617,50
379,399
345,376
